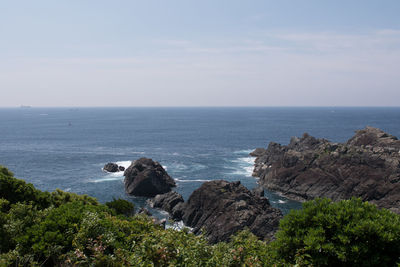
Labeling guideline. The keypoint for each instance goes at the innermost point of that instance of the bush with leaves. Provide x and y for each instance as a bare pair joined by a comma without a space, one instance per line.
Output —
121,206
344,233
16,190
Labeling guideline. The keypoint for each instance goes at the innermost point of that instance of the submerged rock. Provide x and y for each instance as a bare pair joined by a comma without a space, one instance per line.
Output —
223,208
111,167
145,177
366,166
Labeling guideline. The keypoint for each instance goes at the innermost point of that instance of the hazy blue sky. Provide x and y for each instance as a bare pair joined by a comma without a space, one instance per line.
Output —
200,53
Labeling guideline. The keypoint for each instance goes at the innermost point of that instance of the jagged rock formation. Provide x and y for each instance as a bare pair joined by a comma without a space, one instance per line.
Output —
223,208
145,177
366,166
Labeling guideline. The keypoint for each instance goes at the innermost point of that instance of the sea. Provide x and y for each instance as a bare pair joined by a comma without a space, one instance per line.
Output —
66,148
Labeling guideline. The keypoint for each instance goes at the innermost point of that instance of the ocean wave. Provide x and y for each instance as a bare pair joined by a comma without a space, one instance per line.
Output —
107,179
245,160
194,180
124,163
180,167
244,171
243,166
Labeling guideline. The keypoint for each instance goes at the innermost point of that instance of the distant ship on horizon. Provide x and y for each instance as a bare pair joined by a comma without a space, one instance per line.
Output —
25,106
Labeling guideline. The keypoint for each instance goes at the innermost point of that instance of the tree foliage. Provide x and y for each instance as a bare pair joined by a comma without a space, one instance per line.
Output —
344,233
121,206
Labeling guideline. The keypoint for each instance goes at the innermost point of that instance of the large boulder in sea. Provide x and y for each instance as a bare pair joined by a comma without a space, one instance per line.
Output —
222,208
366,166
145,177
111,167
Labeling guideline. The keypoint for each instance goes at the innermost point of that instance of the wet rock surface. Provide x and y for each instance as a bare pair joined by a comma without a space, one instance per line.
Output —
366,166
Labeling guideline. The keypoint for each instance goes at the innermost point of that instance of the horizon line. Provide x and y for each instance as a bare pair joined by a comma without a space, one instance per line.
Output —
199,106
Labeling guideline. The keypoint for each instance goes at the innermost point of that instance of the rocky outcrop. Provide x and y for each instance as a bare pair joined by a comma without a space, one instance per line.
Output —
145,177
111,167
366,166
223,208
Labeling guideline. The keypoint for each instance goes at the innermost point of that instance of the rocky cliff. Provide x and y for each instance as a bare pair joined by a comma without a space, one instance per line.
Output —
366,166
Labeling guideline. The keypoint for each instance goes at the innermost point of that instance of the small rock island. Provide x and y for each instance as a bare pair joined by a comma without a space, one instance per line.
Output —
145,177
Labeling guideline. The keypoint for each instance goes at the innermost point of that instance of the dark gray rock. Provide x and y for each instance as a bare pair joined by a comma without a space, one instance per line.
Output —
366,166
223,208
145,177
258,191
110,167
167,201
121,168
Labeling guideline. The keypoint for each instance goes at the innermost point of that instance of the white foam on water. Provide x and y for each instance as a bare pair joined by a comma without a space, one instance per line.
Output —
125,163
244,166
281,201
180,167
67,189
196,180
248,160
179,226
106,179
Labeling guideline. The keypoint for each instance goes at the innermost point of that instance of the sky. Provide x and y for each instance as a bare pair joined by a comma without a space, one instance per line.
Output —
78,53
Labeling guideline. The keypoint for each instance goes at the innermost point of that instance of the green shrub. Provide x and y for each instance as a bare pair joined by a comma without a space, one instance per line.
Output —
344,233
15,190
121,206
59,197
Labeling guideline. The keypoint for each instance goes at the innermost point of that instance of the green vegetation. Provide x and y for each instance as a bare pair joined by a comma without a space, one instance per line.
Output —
59,228
345,233
121,206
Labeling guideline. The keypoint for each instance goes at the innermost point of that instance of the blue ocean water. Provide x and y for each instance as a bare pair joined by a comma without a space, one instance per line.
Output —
66,148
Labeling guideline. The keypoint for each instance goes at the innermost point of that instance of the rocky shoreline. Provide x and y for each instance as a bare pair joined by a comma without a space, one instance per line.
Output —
366,166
